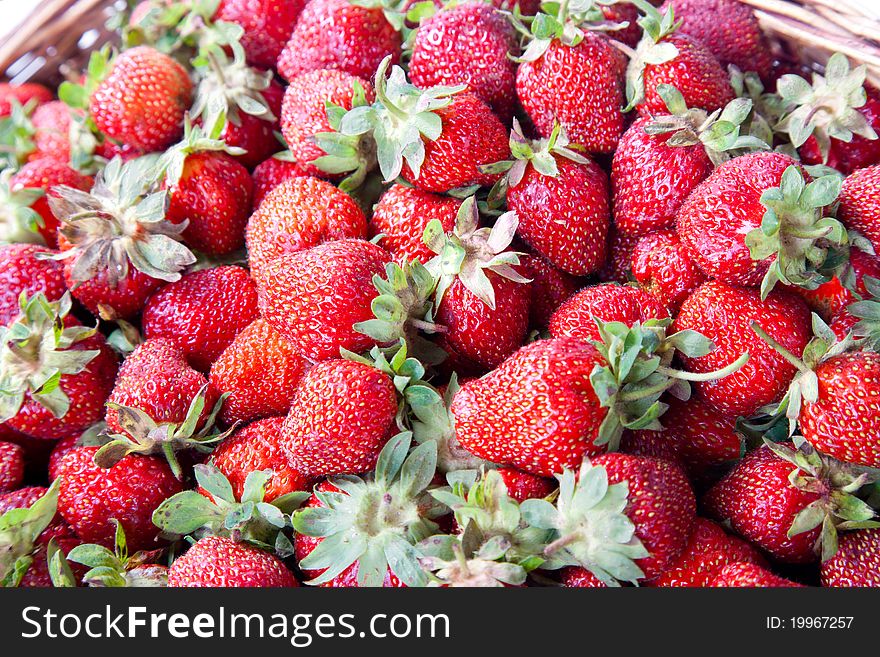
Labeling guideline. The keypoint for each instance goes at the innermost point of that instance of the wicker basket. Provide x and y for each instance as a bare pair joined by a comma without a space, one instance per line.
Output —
56,38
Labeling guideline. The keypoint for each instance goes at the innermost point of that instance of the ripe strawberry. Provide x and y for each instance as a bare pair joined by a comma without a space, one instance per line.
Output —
662,267
548,378
45,174
315,297
618,265
401,216
52,132
336,34
272,172
856,561
608,302
266,25
299,214
215,561
142,99
11,466
260,370
550,288
21,93
832,298
523,486
750,575
619,13
156,379
202,312
468,44
59,449
575,577
729,29
793,518
665,56
56,373
859,208
257,447
117,245
22,272
90,496
724,314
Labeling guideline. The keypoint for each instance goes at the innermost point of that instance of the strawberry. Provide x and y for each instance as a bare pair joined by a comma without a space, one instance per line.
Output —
729,29
621,12
401,216
52,132
142,99
749,575
257,447
156,379
266,25
855,563
662,267
380,516
55,373
788,502
272,172
90,496
220,562
59,449
724,314
22,272
11,466
549,185
336,34
550,288
832,298
618,265
117,244
202,312
481,299
315,297
859,208
468,44
575,577
523,486
260,370
666,56
22,94
299,214
209,190
608,302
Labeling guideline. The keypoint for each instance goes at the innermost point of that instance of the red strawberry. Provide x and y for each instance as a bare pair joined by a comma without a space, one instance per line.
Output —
21,271
341,415
620,13
339,35
724,314
59,449
299,214
607,302
662,267
315,297
523,486
260,370
580,578
52,123
618,266
856,562
729,29
468,44
266,25
11,466
202,312
156,379
219,562
90,496
401,216
47,346
550,288
272,172
142,100
257,447
21,93
831,299
750,575
579,87
859,208
548,379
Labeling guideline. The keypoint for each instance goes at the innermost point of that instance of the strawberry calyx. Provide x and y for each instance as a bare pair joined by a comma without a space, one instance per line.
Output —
399,120
838,507
143,435
469,561
826,109
19,222
720,132
35,352
794,228
767,108
588,526
375,521
651,50
215,511
468,250
638,372
196,139
19,529
121,222
868,312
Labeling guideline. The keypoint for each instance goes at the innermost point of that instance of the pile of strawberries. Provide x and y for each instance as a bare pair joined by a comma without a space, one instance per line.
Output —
361,293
